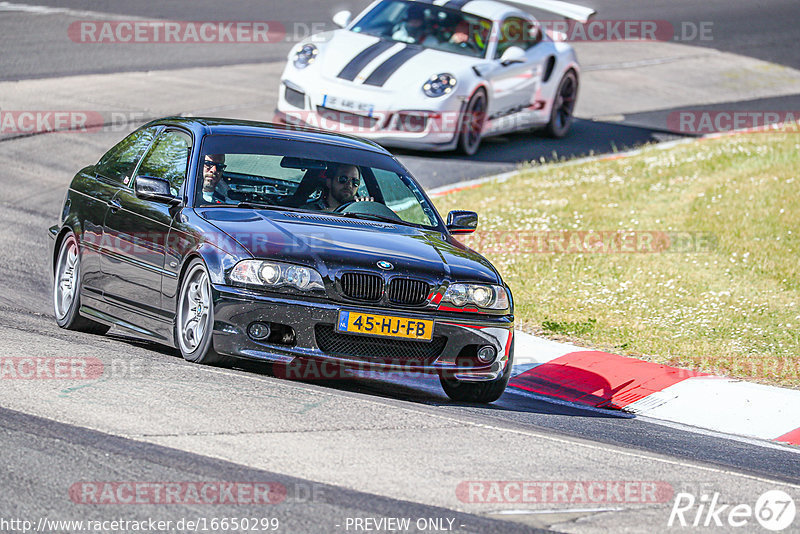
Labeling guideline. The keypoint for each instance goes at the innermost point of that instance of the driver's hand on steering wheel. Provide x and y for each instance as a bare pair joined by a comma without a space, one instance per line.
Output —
362,199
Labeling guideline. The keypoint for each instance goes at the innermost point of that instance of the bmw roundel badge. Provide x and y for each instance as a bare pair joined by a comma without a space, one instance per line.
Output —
385,265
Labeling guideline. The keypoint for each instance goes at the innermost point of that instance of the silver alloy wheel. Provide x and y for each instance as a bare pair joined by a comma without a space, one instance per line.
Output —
193,311
65,283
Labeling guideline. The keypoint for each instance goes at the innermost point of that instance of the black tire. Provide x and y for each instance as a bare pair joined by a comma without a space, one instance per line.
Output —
67,289
561,115
469,133
478,392
197,346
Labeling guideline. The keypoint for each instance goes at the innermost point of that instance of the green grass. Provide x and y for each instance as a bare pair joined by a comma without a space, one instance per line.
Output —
725,301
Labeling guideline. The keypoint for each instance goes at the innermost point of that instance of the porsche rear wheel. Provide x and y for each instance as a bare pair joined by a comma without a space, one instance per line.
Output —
194,322
67,290
561,115
469,137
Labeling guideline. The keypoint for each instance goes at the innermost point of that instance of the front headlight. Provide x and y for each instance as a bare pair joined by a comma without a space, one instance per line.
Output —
305,56
482,296
439,85
276,274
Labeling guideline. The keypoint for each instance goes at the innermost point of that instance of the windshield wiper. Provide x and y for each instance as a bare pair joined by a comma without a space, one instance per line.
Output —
260,206
373,217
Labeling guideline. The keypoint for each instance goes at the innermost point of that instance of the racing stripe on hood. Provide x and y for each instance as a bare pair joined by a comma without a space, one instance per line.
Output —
362,59
390,66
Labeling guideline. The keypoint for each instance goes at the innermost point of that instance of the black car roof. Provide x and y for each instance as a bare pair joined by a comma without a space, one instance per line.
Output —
210,125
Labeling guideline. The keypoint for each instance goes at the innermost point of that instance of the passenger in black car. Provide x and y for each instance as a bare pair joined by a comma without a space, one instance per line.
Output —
213,165
341,184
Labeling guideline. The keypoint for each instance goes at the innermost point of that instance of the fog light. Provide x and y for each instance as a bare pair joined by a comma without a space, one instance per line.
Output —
259,331
288,336
486,354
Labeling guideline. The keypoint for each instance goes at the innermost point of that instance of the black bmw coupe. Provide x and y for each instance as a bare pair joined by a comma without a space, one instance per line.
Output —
233,239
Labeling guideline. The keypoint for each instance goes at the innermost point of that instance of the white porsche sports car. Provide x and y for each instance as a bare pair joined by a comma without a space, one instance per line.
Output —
435,75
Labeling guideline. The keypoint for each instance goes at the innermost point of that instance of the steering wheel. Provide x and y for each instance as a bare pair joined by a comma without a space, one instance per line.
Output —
368,207
469,45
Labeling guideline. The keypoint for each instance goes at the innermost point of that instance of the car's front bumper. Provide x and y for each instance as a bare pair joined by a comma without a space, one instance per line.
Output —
314,322
432,124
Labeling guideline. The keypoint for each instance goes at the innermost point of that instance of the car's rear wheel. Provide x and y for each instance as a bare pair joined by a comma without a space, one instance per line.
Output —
194,322
472,123
480,392
561,115
67,290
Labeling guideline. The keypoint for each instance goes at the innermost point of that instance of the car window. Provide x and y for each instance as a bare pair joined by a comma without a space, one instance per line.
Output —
300,183
516,31
120,162
168,159
403,198
427,25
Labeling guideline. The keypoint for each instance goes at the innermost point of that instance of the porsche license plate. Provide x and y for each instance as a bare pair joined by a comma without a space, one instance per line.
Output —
385,325
346,104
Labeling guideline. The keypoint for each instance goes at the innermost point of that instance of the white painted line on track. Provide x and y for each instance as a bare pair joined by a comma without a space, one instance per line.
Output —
642,62
526,432
775,445
576,405
50,10
502,177
556,511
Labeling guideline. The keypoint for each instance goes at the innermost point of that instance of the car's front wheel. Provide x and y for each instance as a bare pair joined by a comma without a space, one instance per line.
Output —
194,321
480,392
469,138
66,290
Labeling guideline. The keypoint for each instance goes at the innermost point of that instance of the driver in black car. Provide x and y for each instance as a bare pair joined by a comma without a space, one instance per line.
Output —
213,165
341,183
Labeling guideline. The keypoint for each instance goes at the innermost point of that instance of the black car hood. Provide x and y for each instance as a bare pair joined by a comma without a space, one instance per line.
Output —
332,244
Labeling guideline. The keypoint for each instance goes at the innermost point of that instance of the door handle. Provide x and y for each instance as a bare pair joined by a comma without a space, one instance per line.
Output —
114,205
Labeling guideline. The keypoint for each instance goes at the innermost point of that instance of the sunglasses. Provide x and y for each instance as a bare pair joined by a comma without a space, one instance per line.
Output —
343,179
219,166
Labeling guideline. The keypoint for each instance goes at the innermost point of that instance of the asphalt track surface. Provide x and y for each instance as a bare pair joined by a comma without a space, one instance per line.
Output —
765,30
167,420
35,45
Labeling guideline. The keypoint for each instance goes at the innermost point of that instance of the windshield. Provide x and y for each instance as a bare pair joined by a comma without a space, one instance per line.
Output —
428,25
256,172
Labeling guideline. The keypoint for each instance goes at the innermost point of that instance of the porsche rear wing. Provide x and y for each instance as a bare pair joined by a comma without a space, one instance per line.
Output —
565,9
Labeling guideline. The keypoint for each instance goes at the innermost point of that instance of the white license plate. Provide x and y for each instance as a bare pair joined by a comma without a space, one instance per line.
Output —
347,104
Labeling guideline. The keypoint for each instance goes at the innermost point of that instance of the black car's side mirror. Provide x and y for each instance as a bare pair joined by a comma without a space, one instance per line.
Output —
155,189
462,222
